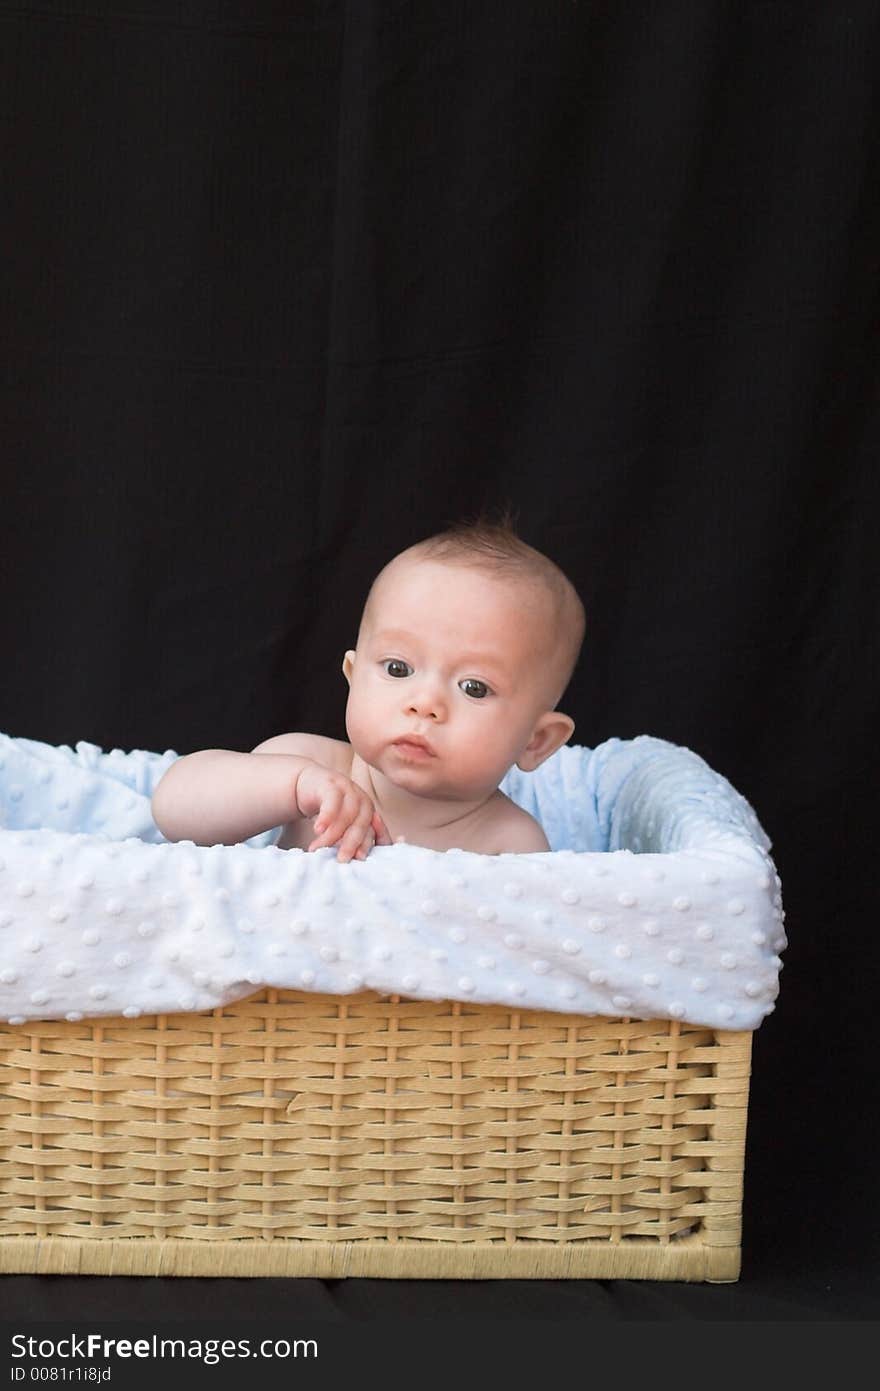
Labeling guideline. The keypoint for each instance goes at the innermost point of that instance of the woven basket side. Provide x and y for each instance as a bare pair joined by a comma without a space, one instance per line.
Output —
298,1119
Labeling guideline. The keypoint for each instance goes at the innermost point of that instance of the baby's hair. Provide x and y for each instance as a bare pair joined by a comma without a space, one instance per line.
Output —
493,545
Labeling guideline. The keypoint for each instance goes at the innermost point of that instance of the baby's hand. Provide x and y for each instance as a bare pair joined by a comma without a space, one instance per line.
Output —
343,810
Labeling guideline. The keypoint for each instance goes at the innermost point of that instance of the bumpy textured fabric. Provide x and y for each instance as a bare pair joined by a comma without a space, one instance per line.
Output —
658,899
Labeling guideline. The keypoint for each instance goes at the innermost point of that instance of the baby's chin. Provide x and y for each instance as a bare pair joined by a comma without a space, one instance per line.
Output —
420,780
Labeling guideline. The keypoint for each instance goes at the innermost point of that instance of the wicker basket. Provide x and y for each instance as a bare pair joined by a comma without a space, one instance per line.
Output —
303,1134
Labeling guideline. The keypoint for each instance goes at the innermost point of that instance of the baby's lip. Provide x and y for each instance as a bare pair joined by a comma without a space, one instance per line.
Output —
415,739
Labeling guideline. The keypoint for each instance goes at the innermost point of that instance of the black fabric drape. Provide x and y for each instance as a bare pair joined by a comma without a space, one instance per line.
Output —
287,286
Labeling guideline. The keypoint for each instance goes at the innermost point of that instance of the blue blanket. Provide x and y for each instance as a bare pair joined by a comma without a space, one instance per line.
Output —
659,898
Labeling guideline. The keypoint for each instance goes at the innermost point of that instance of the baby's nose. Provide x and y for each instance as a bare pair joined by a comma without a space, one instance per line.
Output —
427,701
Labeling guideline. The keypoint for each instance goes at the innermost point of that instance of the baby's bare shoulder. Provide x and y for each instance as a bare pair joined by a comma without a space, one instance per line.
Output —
332,753
512,830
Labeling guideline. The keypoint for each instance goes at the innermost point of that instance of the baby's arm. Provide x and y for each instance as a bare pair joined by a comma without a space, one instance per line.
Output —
217,796
518,833
525,840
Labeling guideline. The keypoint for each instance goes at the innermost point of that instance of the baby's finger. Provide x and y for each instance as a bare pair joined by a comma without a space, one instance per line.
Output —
331,802
334,825
349,843
329,835
327,832
366,844
356,848
353,838
380,830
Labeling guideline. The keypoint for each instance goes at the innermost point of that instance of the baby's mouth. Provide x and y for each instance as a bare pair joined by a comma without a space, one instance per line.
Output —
415,748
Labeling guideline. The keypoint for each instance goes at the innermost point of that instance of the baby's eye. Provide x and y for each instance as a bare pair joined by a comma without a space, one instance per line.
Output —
393,667
472,687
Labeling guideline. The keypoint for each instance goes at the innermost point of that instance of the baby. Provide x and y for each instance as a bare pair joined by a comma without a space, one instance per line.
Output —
466,645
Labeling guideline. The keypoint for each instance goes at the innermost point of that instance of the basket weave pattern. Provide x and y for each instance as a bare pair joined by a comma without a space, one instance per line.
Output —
305,1134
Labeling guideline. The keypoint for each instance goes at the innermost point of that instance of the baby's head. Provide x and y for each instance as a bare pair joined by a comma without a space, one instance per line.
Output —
467,642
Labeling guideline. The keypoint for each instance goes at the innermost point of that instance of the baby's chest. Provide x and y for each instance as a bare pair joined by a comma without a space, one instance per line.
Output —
296,835
486,834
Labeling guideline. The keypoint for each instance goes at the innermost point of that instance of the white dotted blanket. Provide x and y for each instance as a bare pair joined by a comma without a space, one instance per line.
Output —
659,898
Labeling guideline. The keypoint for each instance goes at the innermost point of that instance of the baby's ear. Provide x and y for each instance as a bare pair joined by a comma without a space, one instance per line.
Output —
347,663
550,733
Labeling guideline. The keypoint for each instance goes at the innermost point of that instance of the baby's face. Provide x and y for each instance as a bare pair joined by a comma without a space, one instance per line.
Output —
456,659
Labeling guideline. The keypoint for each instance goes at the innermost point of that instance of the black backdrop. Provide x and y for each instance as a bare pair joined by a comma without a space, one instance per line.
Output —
286,286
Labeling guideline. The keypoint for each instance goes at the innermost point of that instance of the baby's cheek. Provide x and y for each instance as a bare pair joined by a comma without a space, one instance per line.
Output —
351,723
361,734
496,752
480,755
